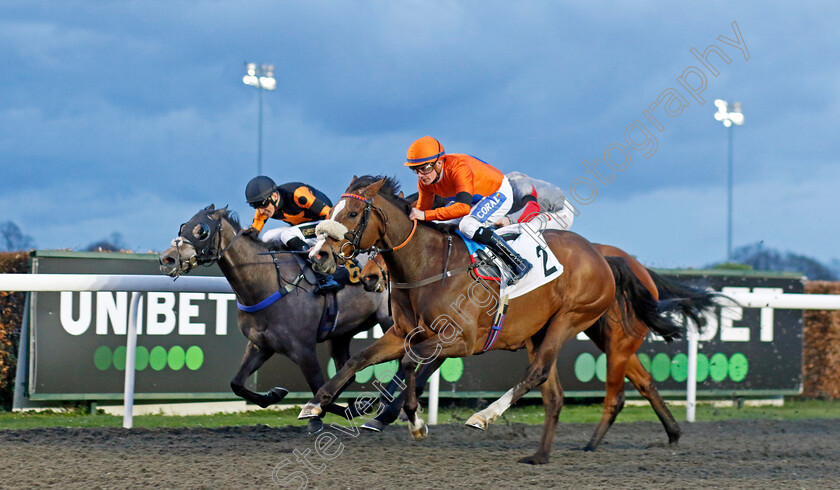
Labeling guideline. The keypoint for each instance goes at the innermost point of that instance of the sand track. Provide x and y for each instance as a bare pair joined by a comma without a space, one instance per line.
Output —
743,454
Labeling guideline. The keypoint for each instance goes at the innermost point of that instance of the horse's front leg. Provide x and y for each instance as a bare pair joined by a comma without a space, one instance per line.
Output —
307,360
392,410
430,351
389,347
252,360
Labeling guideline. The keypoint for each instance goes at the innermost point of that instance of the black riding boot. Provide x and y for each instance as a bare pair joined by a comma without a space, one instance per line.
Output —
517,266
326,282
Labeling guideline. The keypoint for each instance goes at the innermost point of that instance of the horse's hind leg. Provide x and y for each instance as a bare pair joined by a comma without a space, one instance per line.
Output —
619,347
552,395
560,329
643,382
544,358
254,358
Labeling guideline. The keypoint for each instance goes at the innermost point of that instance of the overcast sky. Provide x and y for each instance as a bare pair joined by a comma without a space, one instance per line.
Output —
128,117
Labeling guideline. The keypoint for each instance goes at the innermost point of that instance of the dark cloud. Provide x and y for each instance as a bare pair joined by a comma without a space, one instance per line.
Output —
146,97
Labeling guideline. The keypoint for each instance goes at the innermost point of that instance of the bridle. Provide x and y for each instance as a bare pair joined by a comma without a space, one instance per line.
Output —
208,254
354,237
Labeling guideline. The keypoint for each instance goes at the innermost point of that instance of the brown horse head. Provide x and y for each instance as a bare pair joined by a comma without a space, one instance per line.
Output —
375,274
356,223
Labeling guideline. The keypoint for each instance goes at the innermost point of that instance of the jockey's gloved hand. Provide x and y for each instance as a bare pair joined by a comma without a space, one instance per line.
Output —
297,245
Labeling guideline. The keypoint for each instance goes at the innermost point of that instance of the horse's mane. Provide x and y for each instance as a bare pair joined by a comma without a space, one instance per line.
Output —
233,219
389,191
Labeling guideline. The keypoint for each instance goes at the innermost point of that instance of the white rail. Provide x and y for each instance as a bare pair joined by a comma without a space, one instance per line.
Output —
116,282
112,282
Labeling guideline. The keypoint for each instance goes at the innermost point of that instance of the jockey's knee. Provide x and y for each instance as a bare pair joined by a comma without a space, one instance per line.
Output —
273,235
469,225
289,233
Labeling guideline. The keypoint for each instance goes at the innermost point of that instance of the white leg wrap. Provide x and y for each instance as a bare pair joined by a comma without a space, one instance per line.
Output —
498,407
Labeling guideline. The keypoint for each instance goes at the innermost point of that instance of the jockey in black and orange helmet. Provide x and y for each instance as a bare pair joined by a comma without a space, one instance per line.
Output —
298,204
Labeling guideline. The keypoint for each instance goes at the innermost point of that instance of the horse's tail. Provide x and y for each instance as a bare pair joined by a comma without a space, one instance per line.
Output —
690,302
630,291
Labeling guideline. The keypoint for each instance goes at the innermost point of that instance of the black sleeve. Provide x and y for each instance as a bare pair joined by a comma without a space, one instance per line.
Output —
464,197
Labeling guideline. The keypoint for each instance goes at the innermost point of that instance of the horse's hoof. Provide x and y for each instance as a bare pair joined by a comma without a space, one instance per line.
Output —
277,393
373,425
418,430
535,459
477,422
315,425
310,410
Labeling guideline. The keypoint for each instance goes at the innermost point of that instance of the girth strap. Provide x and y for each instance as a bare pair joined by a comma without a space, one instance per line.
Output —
498,323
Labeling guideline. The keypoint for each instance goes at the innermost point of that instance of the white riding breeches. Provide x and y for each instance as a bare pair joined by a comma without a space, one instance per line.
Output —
283,234
488,210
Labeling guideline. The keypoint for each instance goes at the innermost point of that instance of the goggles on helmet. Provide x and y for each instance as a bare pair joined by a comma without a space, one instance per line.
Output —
261,204
425,168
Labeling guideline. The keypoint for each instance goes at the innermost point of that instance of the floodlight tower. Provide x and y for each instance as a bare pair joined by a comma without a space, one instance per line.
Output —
262,78
730,118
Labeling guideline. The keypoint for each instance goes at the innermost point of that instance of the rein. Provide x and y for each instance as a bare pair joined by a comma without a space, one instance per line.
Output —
354,237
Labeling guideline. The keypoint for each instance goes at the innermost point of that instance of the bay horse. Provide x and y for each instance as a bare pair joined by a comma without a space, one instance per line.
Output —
425,329
288,326
618,343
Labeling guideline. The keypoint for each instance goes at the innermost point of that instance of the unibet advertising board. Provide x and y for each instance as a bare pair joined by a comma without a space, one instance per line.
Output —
189,345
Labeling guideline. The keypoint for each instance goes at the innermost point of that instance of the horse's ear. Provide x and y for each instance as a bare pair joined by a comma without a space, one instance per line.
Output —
372,189
400,194
211,207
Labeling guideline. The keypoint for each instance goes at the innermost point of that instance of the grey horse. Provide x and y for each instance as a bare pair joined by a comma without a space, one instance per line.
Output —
288,325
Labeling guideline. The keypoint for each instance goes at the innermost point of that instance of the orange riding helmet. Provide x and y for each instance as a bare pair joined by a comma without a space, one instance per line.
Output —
423,151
